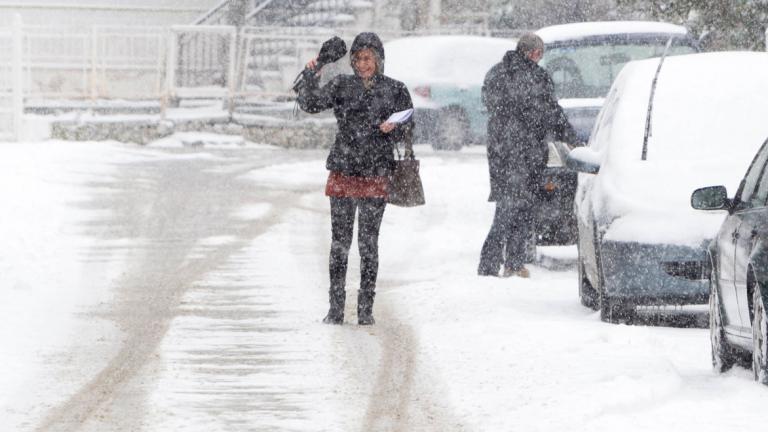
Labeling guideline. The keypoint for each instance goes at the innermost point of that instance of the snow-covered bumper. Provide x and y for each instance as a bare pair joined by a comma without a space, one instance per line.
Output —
655,274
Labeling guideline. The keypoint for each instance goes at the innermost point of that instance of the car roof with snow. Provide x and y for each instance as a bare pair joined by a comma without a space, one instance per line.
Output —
575,31
449,59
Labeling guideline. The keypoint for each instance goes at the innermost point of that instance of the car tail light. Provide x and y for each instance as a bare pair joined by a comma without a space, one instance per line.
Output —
693,270
423,91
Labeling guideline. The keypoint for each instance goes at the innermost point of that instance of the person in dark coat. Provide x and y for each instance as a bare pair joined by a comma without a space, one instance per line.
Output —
360,161
523,110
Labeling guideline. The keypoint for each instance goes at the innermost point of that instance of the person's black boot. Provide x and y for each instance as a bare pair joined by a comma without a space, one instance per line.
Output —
336,312
365,307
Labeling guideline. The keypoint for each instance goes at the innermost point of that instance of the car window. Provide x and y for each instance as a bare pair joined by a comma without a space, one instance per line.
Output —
602,129
758,198
586,70
749,197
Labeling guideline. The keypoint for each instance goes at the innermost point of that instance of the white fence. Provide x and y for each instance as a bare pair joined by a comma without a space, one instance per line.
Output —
43,64
11,102
98,62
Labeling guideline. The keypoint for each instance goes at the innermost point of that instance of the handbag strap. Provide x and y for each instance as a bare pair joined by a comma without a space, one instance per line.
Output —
401,157
409,137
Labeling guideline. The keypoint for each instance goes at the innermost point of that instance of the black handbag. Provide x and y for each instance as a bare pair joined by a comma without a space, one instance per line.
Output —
405,188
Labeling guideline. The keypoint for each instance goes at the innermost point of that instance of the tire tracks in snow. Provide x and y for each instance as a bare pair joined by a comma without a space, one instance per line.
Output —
174,206
406,396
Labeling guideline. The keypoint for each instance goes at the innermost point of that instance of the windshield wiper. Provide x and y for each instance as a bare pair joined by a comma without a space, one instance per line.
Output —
650,100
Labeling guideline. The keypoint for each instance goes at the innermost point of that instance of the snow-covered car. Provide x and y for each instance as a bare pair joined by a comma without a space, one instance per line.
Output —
640,242
584,58
738,258
444,75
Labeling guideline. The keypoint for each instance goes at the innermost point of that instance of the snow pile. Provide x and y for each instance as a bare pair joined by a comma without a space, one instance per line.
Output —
46,287
198,139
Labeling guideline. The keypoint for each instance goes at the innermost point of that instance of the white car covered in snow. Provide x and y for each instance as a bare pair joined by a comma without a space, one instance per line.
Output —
640,242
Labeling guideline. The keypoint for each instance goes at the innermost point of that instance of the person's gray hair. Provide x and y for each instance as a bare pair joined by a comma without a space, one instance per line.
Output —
529,43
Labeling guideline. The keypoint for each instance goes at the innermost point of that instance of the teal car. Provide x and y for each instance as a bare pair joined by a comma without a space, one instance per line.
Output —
444,75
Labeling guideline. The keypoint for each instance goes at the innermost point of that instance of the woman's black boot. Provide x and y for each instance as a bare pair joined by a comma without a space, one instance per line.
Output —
365,307
336,312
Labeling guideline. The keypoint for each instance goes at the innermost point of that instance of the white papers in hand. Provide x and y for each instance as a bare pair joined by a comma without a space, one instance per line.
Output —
400,116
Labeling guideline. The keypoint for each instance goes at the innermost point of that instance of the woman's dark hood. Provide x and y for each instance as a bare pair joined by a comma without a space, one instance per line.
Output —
369,40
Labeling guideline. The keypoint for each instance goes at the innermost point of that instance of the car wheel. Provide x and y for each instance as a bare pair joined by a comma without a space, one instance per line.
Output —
611,310
759,337
723,355
587,293
616,311
452,127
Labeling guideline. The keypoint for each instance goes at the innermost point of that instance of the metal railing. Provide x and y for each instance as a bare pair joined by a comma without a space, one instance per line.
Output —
220,13
217,15
201,61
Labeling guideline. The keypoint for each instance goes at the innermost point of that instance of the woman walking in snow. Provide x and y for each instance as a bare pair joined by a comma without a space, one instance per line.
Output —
360,161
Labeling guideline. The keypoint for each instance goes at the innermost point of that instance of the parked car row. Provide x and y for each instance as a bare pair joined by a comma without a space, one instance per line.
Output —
445,74
667,128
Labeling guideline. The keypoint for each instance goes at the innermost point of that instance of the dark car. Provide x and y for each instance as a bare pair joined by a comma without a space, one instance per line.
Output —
555,222
738,265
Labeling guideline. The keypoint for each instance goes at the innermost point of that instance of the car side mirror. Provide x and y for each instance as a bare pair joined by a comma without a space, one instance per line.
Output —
710,198
583,159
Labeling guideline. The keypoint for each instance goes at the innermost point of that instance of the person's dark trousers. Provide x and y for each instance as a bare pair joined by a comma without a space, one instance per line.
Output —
512,225
370,212
518,243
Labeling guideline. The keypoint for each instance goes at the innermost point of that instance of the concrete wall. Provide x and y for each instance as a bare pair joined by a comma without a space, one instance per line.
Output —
296,134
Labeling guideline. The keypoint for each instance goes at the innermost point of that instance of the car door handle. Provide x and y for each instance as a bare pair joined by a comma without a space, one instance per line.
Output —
735,235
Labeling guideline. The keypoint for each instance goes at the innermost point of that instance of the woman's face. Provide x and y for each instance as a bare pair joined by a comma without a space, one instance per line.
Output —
365,63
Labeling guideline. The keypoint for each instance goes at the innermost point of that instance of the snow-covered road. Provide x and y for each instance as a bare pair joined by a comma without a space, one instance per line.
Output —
165,289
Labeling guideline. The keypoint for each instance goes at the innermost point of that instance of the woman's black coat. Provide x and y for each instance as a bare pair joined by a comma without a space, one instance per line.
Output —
360,148
523,109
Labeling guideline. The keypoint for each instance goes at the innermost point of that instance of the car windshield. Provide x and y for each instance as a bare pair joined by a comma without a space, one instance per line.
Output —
586,69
